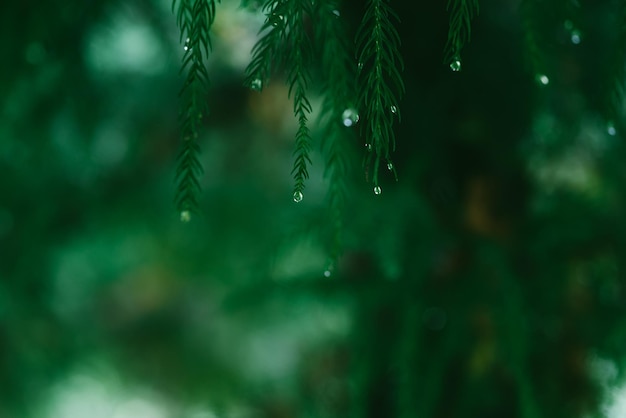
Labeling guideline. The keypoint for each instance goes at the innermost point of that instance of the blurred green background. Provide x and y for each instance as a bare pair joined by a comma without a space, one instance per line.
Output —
487,282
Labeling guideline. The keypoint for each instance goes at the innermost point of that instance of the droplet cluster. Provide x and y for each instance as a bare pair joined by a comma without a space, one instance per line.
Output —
455,65
349,117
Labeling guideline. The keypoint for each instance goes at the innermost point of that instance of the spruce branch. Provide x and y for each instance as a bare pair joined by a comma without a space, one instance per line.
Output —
194,19
337,114
532,38
298,79
268,53
284,41
380,84
461,14
616,85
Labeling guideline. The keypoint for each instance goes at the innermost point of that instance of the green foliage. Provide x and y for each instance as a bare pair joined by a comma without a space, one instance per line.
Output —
298,79
380,84
534,39
269,51
337,133
615,86
194,18
461,14
488,282
285,41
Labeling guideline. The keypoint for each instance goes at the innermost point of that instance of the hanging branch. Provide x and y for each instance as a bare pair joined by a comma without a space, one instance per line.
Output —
194,19
461,14
615,94
532,38
298,79
338,115
268,53
380,84
285,42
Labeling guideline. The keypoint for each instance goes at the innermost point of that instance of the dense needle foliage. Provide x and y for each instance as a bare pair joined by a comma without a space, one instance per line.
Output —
194,18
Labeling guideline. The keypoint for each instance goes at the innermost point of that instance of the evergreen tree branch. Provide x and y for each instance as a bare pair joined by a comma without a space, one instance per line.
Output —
380,84
616,86
461,14
194,19
532,38
268,53
285,41
337,115
298,79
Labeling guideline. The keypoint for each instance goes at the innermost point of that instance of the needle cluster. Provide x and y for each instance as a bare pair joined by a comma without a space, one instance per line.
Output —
379,82
194,18
461,14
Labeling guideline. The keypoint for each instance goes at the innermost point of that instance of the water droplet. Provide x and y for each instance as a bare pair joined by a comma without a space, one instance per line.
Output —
360,66
368,146
394,109
455,65
185,216
276,20
575,37
297,196
185,47
336,13
390,166
377,190
327,273
610,129
543,79
349,117
256,84
187,40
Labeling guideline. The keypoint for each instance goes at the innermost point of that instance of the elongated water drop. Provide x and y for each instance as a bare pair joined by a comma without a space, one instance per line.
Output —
297,196
336,13
610,129
543,79
185,216
394,109
349,117
455,65
390,166
368,146
360,66
256,84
